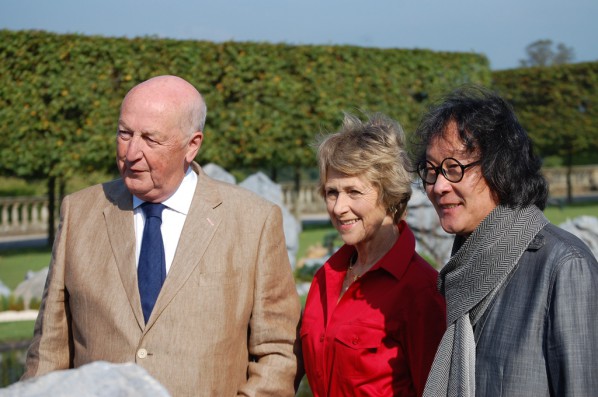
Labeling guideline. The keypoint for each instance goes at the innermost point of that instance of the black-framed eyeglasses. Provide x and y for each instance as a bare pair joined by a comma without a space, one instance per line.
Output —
450,168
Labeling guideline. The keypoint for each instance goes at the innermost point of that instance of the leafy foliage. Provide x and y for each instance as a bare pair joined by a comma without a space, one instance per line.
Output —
541,53
558,106
60,95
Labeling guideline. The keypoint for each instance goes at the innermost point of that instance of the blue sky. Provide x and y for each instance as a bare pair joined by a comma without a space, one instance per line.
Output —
499,29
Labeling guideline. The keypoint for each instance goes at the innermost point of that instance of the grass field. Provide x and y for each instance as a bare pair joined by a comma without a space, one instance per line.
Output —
14,264
558,215
16,331
313,235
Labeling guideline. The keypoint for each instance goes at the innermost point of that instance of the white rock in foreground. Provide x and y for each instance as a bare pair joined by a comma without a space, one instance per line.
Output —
98,379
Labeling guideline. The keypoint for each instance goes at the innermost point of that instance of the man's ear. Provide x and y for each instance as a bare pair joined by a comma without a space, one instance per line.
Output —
194,145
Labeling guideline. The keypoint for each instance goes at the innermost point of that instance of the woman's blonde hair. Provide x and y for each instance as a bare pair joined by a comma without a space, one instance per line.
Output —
373,149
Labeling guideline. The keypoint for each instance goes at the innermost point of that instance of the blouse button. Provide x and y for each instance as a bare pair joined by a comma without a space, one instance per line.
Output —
355,340
322,338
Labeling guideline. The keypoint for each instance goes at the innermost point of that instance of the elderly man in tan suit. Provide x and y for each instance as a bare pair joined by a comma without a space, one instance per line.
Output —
222,321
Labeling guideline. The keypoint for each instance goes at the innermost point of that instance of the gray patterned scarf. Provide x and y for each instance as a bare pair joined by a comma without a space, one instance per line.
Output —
479,267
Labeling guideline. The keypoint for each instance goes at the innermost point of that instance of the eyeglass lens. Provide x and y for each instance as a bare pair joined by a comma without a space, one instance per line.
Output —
450,168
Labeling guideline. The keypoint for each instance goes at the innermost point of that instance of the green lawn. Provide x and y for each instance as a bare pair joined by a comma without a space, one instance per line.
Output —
558,215
312,235
16,331
14,264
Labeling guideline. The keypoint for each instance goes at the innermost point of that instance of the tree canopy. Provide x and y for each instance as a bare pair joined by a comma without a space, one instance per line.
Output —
542,53
60,95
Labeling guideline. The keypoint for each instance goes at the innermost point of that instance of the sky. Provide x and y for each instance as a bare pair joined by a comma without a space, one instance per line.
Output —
499,29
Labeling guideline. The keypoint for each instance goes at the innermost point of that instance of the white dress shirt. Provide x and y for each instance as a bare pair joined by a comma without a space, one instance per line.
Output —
173,217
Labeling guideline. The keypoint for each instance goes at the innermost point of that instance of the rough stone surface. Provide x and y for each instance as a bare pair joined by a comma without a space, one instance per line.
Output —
262,185
303,288
219,173
586,228
32,287
431,240
98,379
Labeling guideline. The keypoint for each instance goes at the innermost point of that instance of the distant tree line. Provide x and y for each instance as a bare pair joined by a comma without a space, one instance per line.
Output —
542,53
558,106
60,97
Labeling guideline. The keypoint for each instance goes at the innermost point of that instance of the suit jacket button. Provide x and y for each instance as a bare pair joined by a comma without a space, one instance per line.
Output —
142,353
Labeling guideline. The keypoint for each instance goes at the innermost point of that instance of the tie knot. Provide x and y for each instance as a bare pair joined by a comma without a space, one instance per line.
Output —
153,209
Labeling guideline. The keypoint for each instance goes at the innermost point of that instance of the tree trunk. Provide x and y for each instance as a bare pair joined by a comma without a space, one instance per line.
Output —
61,191
297,188
569,172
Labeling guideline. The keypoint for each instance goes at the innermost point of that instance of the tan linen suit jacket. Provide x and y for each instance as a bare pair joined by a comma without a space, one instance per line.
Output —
225,321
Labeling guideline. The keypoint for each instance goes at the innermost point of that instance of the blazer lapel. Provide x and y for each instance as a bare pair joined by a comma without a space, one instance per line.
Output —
119,223
200,226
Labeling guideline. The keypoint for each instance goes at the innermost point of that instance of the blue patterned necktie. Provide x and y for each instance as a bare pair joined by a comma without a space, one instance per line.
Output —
151,270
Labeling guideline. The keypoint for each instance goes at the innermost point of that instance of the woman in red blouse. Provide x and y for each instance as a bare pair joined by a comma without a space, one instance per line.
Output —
373,317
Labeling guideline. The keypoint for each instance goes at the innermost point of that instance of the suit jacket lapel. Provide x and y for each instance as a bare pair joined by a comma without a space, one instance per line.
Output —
119,223
200,225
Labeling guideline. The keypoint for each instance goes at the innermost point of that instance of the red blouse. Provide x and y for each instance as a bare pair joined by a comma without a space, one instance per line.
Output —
381,337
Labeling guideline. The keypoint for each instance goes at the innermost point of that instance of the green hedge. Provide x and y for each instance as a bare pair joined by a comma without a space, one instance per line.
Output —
60,95
558,106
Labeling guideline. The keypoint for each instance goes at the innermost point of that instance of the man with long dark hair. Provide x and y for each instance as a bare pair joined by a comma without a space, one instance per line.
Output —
522,311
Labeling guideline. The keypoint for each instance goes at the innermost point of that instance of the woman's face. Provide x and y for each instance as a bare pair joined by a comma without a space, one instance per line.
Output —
354,209
461,206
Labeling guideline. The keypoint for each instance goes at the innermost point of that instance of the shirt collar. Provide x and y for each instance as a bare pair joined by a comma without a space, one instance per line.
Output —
180,201
396,261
